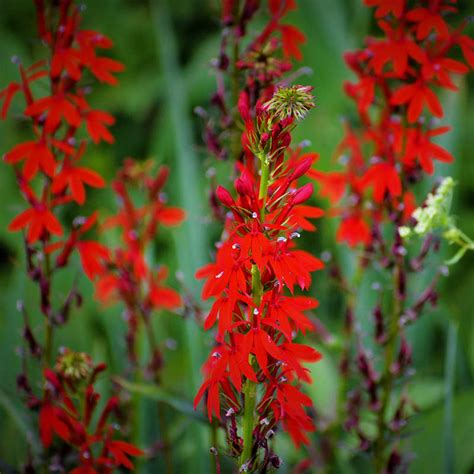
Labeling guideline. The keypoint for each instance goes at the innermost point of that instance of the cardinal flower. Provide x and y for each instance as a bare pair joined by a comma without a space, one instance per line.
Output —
38,220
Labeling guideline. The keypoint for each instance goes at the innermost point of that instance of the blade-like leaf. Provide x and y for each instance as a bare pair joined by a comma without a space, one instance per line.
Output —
21,422
159,394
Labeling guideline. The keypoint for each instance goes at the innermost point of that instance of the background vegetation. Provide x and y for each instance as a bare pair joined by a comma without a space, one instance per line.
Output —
167,48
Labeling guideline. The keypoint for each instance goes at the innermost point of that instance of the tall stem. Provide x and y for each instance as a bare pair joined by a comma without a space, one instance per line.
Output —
161,407
48,342
387,375
250,387
235,85
250,396
264,184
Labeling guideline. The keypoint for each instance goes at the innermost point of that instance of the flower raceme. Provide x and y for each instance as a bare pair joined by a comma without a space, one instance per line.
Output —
57,119
259,64
125,274
253,282
50,177
399,75
386,151
47,166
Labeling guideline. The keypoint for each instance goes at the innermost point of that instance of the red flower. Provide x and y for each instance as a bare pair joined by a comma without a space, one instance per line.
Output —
396,49
160,296
291,38
417,95
102,68
92,256
420,148
385,7
36,154
429,19
50,424
66,59
169,216
55,108
74,178
120,450
96,121
354,230
384,178
38,219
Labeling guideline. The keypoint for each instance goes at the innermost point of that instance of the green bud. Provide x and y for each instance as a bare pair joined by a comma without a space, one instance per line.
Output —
293,101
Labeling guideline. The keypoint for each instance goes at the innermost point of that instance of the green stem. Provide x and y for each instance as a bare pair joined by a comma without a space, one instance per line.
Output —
264,181
387,375
235,88
449,380
214,443
48,343
250,388
250,395
161,407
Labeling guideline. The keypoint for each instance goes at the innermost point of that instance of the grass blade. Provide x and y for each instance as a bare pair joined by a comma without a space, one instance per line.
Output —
21,422
450,369
159,394
191,254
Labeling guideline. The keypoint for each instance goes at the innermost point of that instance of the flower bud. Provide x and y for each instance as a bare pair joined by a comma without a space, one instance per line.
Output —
225,197
303,194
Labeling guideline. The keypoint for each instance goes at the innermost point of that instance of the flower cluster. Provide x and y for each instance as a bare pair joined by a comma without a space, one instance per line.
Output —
51,179
57,120
67,410
386,152
256,63
48,169
257,262
126,273
399,76
253,279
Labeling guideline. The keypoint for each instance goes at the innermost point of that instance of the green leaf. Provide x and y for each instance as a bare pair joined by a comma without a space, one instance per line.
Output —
159,394
23,424
426,392
428,439
450,372
191,236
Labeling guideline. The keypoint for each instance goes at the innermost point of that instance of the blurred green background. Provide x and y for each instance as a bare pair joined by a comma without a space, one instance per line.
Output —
167,47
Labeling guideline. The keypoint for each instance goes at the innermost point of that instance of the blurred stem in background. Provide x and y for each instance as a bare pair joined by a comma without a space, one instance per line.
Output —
191,242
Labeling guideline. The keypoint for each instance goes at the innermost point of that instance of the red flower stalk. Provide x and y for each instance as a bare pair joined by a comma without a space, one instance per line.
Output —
47,166
253,279
51,178
398,78
256,320
66,411
126,273
254,63
386,153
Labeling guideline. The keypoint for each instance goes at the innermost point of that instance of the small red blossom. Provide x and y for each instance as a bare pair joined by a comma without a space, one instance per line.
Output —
384,179
416,96
55,108
96,123
420,149
36,154
386,7
74,177
38,219
354,230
